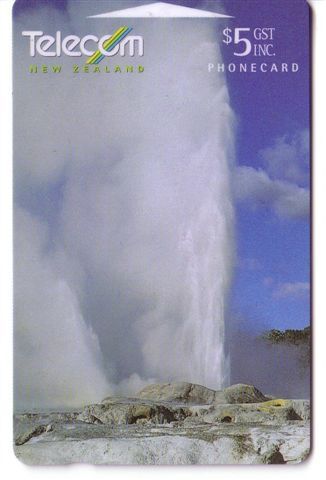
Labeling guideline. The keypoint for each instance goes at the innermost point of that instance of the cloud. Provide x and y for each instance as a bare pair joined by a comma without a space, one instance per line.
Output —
295,290
282,185
287,289
283,198
288,158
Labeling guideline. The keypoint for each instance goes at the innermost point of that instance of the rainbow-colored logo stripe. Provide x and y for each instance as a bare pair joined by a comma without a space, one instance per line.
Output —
109,44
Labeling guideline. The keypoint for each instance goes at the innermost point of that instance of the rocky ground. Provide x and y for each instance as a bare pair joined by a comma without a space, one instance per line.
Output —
179,423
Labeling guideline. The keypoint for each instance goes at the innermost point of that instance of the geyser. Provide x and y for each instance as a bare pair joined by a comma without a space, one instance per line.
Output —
185,206
131,191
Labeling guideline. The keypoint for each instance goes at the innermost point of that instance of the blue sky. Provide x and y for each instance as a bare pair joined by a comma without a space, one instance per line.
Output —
271,279
273,249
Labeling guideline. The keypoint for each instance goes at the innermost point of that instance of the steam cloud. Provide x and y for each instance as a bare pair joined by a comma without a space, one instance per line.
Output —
280,370
124,217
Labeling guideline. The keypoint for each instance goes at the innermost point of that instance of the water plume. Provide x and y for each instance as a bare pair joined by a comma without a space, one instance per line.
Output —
132,182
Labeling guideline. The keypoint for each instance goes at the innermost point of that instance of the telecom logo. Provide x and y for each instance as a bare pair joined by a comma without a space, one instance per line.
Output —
118,43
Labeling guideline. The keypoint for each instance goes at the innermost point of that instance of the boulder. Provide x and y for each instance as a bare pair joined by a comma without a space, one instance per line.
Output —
181,392
125,413
239,393
191,393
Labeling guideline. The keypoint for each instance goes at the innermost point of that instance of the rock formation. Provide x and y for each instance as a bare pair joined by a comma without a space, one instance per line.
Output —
172,423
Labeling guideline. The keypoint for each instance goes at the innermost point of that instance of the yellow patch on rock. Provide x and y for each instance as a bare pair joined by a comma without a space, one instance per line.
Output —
271,404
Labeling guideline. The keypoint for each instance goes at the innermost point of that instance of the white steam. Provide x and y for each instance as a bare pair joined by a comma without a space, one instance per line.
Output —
56,355
123,278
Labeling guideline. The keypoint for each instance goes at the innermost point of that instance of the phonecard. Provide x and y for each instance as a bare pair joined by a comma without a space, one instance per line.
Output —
162,232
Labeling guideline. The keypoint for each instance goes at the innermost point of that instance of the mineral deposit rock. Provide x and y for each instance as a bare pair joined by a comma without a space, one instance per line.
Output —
170,424
178,392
